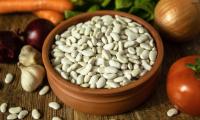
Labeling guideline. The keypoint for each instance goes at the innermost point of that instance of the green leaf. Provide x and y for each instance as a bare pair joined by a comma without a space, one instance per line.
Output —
198,61
191,66
69,14
119,4
93,8
195,67
78,2
94,1
143,9
105,3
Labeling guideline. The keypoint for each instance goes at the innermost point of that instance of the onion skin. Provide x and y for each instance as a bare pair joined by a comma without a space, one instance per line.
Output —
10,45
178,19
36,32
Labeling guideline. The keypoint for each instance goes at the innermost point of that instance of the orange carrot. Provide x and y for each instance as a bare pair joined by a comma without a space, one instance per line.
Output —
53,16
10,6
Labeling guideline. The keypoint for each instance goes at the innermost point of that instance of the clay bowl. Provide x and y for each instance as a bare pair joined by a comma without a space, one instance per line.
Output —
102,101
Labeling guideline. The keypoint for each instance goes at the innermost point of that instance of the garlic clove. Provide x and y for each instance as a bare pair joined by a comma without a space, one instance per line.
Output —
31,77
29,56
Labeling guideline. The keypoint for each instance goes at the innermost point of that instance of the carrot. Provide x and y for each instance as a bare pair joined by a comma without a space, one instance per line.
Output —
53,16
10,6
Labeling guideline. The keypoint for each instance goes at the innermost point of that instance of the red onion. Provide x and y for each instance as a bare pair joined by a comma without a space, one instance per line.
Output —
10,45
36,32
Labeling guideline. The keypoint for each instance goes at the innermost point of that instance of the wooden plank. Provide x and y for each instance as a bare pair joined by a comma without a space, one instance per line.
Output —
153,109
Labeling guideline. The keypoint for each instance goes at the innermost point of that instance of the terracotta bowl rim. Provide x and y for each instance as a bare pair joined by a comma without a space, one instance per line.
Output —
77,88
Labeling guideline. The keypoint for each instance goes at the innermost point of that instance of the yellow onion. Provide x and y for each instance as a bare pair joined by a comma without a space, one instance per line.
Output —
178,19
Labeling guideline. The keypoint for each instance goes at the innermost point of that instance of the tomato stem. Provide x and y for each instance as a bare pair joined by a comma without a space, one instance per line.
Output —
195,67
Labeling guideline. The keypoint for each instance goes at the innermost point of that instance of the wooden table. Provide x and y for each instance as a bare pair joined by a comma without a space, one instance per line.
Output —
154,108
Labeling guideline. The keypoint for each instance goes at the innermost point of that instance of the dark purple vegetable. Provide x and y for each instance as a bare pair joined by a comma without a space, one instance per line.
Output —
10,46
36,32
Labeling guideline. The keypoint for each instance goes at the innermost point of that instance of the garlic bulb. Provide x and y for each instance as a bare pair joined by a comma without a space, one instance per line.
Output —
29,56
31,76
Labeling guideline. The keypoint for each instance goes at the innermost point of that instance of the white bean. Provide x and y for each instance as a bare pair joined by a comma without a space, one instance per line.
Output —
129,44
109,76
146,65
100,61
9,78
86,78
142,38
131,36
101,82
93,81
73,75
108,46
22,114
143,72
124,66
139,51
152,55
36,114
127,74
79,57
131,50
66,61
87,52
144,54
92,60
65,67
141,30
134,29
83,40
15,110
114,64
106,54
86,70
117,27
83,46
115,36
72,67
120,46
100,69
87,30
80,79
135,72
76,35
107,19
12,117
119,79
3,107
172,112
69,57
110,69
85,85
112,84
145,46
125,82
65,48
54,105
44,90
121,58
109,38
130,66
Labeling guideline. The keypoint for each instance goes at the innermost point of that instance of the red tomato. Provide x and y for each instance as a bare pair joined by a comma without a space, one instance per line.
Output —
183,86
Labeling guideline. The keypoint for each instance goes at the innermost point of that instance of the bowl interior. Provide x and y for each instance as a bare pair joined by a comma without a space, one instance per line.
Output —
84,17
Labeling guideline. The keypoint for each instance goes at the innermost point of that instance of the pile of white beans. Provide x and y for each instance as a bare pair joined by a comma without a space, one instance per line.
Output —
104,52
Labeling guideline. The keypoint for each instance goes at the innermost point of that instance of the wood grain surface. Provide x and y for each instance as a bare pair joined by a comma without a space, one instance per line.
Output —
154,108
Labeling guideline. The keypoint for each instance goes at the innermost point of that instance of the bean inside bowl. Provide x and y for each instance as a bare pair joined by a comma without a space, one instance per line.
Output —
104,52
102,101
